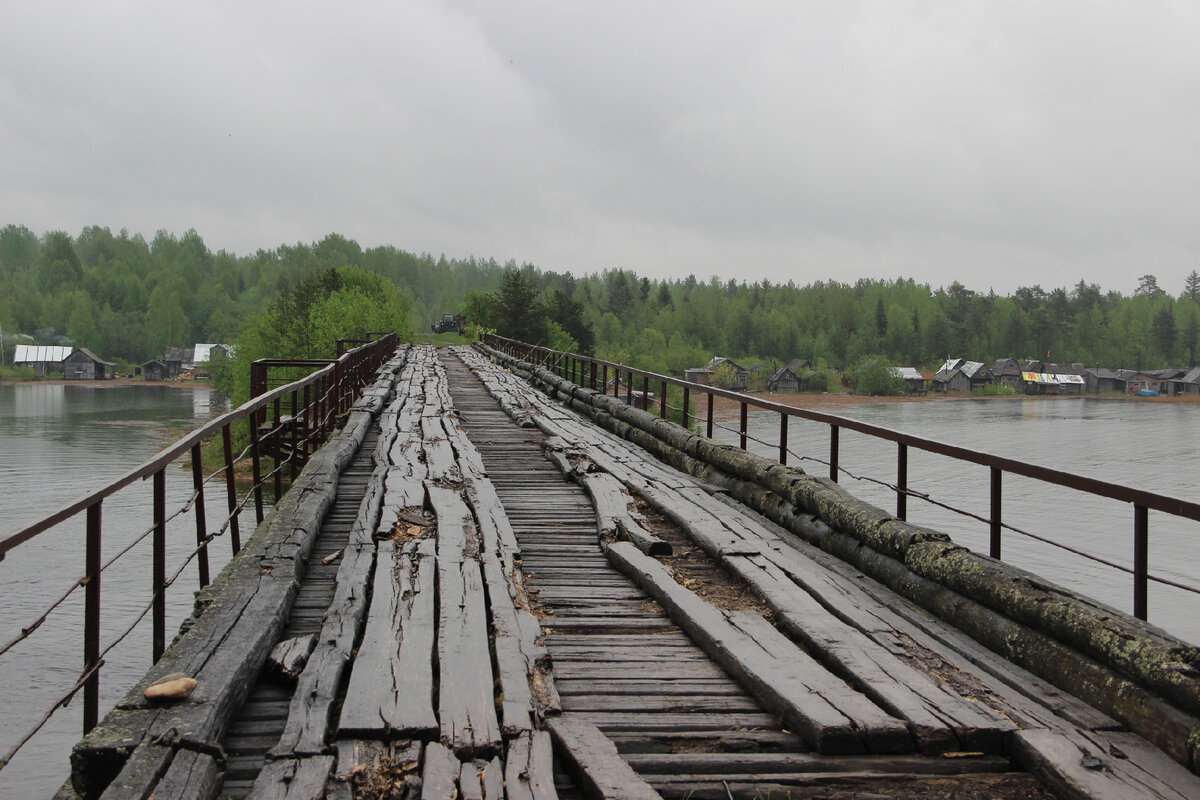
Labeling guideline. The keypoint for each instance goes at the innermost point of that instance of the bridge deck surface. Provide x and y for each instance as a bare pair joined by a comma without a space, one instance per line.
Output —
481,616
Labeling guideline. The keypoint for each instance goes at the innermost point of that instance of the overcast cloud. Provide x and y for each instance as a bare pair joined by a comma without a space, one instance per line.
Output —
1000,144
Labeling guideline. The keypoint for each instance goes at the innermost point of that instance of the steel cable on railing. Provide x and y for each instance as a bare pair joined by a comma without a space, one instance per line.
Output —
82,581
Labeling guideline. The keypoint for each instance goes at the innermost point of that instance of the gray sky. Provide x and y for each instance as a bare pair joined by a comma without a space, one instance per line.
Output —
999,143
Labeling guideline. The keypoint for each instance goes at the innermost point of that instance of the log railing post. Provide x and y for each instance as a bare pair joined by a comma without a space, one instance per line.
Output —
783,439
709,432
662,402
91,619
687,397
901,481
1141,560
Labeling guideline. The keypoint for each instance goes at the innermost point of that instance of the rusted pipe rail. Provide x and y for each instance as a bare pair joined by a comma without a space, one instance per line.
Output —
566,365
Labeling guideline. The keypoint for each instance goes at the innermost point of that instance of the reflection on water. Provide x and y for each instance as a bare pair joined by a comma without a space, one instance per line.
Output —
56,443
1152,446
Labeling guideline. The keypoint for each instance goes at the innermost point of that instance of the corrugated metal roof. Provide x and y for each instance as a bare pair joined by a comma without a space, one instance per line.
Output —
908,373
38,353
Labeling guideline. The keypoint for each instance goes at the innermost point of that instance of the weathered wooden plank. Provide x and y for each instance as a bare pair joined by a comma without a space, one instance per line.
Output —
481,780
305,732
238,619
439,773
888,619
734,762
613,519
529,767
466,704
288,657
661,702
140,773
516,656
391,683
293,779
594,760
940,719
191,776
830,716
1103,765
439,455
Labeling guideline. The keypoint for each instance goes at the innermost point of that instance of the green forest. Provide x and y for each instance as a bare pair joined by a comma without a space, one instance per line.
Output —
127,298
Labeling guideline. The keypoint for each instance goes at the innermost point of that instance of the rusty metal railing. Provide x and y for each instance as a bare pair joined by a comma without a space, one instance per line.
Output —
315,402
594,374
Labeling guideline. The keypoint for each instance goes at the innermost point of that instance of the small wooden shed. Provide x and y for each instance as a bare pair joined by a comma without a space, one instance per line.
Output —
84,365
790,378
154,370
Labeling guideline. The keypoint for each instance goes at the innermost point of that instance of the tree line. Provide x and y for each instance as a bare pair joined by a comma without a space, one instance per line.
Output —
128,298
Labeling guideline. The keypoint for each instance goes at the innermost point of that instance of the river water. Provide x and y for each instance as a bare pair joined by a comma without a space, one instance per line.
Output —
56,443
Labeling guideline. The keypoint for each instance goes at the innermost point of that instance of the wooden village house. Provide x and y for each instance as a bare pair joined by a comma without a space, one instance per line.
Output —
1007,372
1189,384
740,379
178,359
960,375
154,370
1043,377
790,378
913,379
84,365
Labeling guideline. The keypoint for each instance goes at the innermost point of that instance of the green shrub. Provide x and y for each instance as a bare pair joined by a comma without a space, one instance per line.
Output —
875,375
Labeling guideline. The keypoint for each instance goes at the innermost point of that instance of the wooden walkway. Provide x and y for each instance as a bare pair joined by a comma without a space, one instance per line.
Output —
507,601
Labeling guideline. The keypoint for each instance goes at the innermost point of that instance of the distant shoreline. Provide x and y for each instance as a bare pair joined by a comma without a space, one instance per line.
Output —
829,402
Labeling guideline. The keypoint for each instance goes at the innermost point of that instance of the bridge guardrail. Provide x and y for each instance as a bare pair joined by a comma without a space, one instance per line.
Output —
314,401
593,373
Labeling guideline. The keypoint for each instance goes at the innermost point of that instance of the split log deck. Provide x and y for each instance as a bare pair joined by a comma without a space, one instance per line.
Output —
500,598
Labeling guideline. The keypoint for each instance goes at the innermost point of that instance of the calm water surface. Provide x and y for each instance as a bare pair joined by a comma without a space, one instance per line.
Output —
56,443
1149,445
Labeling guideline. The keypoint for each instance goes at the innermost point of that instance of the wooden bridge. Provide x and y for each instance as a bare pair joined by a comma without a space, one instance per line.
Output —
473,591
